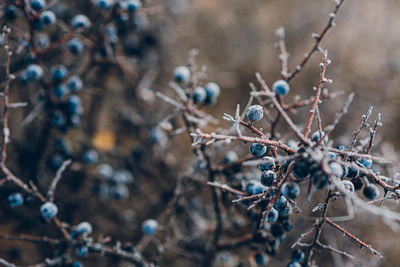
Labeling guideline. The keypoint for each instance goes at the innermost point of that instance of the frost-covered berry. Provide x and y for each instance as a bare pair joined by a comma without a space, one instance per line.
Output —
285,212
80,21
105,171
199,95
255,112
287,225
272,215
76,264
122,177
84,228
90,156
58,72
10,12
257,188
257,149
268,178
133,5
267,164
58,119
105,4
15,200
181,74
120,192
60,91
294,264
37,4
281,203
317,135
82,251
281,87
297,255
42,40
336,169
149,227
260,259
212,92
290,190
33,72
371,191
48,17
76,46
367,163
74,83
348,185
48,210
301,169
75,104
230,157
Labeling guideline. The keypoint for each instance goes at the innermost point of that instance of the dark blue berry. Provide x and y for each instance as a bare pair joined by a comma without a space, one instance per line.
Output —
281,87
367,163
371,191
260,259
82,251
149,227
280,203
297,255
290,190
267,164
58,72
255,112
15,200
257,149
268,178
212,93
76,46
199,95
272,215
48,17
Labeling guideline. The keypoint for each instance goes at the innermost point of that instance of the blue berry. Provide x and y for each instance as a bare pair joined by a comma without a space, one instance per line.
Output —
158,136
257,189
272,215
287,225
42,40
292,144
257,149
301,169
48,17
120,192
268,178
15,200
267,164
294,264
74,120
290,190
90,156
76,46
76,264
58,72
285,212
371,191
58,119
281,87
230,157
182,74
10,12
60,91
134,5
84,228
212,92
149,227
297,255
367,163
48,210
82,251
348,185
74,83
255,112
317,135
336,169
105,171
104,4
281,203
74,104
122,177
276,230
199,95
33,72
37,4
260,259
80,21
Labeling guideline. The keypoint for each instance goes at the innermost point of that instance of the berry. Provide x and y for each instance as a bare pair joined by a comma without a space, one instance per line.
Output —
272,215
182,74
281,87
319,179
60,91
120,192
134,5
58,72
371,191
317,135
212,93
257,189
74,104
122,177
80,21
348,185
48,210
268,178
82,251
357,182
149,227
276,230
15,200
257,149
74,83
367,163
10,12
285,212
33,72
42,40
255,112
84,228
260,259
230,157
90,156
76,46
267,164
199,95
105,171
55,161
48,17
336,169
74,120
290,190
294,264
104,4
281,203
301,169
58,119
76,264
37,4
297,255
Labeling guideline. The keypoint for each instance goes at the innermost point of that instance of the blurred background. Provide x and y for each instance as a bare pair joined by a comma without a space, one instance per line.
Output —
235,39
